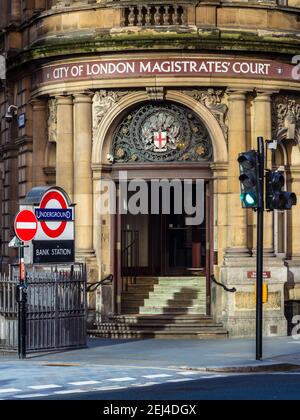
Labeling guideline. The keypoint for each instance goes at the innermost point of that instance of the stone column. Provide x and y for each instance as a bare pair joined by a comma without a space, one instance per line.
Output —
237,216
39,139
83,182
293,233
262,127
293,216
64,145
15,11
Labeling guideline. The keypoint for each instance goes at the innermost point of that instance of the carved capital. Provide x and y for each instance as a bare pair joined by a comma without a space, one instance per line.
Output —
213,100
286,117
103,101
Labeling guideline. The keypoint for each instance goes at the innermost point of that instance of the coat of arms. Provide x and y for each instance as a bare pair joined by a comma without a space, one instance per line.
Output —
161,132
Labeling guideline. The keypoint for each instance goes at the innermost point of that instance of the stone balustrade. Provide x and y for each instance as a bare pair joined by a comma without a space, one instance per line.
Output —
154,15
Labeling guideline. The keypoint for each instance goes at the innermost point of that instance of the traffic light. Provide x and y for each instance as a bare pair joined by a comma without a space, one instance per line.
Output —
276,199
249,179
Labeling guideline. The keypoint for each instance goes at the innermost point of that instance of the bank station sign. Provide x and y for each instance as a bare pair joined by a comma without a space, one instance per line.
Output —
198,67
55,234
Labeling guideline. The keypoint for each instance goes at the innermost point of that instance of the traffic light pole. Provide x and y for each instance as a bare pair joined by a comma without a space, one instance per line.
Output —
260,249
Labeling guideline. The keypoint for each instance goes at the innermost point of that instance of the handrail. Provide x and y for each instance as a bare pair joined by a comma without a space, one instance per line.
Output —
94,286
213,279
129,246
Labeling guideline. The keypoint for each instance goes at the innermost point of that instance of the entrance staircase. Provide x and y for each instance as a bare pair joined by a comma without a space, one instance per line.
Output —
163,308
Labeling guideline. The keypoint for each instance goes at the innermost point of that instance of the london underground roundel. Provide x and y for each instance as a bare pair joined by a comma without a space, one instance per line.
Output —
51,213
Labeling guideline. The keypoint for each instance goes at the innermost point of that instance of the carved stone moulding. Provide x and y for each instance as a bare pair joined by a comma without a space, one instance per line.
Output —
52,120
213,100
103,101
286,117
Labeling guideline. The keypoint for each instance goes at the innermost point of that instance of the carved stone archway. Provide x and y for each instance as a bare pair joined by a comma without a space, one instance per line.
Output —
117,106
110,107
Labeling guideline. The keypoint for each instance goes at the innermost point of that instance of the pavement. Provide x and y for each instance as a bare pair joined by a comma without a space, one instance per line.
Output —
227,355
127,368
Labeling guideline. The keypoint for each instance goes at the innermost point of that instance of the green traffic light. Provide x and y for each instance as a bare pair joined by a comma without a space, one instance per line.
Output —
249,199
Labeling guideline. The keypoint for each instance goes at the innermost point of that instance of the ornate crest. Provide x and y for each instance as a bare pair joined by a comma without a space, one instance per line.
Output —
161,131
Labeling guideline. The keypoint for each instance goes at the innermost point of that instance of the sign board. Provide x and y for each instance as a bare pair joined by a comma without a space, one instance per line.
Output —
53,252
195,66
55,217
21,120
265,294
55,220
26,225
252,275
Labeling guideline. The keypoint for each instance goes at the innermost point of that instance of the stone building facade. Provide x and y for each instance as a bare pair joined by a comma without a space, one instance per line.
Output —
86,76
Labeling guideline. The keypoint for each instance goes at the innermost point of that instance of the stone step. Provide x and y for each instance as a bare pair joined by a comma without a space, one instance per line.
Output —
163,289
182,279
190,294
130,303
164,298
162,335
161,319
187,310
126,296
179,303
140,289
162,327
180,283
146,281
158,288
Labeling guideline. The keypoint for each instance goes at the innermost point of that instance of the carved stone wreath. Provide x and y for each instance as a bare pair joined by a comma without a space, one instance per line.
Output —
161,132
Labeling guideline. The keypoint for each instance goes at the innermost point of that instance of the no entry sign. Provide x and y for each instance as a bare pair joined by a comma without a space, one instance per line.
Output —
26,225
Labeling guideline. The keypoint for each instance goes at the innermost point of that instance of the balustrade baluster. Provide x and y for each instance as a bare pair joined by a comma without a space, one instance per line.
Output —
140,16
175,20
131,17
148,16
157,16
167,15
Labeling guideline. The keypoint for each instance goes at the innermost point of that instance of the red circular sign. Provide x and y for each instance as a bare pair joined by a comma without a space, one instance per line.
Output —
61,201
26,225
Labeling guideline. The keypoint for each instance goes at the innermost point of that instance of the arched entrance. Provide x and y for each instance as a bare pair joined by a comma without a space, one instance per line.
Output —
158,251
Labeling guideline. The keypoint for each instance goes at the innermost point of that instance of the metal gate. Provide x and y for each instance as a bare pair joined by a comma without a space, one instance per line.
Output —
56,309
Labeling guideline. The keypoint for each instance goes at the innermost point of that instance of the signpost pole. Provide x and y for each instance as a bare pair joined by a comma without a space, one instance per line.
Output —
260,251
22,301
26,227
